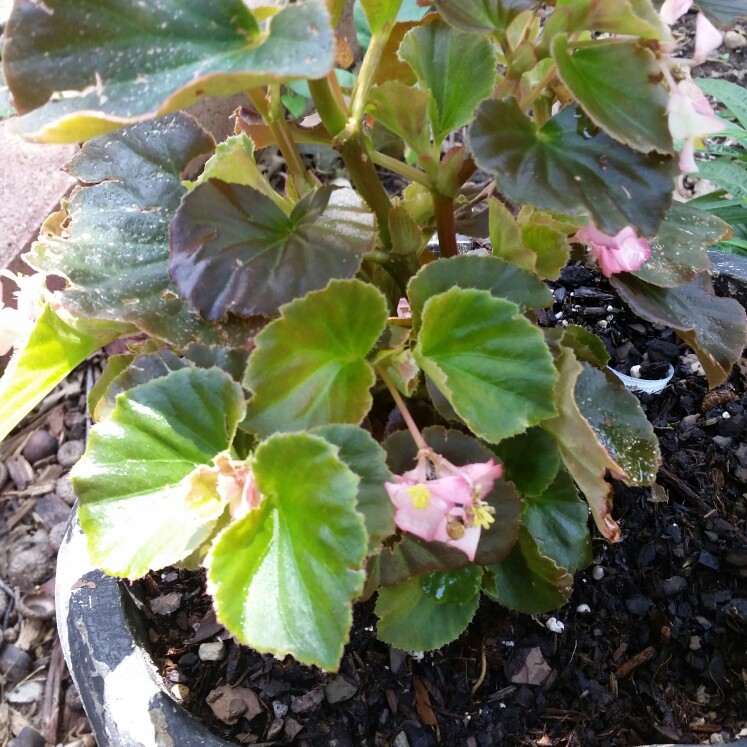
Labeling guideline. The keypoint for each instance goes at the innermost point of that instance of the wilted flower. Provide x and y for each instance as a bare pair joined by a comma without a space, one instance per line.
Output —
16,324
623,252
236,485
690,118
707,36
438,501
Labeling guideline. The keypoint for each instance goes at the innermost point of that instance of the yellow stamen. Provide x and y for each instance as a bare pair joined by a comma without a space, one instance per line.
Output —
483,516
419,496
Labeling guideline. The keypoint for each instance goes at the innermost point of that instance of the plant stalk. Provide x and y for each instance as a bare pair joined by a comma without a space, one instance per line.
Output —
402,407
445,224
353,150
403,169
285,142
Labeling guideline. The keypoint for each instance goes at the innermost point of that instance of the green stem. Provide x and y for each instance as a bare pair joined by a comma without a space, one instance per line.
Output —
445,225
285,142
539,89
403,169
353,150
367,76
402,407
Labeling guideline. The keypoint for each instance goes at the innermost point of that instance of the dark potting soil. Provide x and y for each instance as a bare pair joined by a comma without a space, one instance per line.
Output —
654,641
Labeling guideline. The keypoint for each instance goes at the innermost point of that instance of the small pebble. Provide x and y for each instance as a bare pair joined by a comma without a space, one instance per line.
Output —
735,39
212,651
70,452
26,692
597,573
57,534
554,625
275,728
15,663
41,444
64,490
179,691
279,708
166,603
31,566
3,603
583,609
28,737
635,372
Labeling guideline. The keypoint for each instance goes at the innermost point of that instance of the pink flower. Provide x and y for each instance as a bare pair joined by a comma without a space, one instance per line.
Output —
624,252
690,118
438,501
403,309
707,37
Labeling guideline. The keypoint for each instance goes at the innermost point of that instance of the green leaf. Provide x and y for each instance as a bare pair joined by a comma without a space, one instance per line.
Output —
528,581
485,16
233,250
530,460
729,174
284,577
234,162
558,521
414,556
628,17
137,370
412,620
118,63
724,13
53,349
600,427
115,364
490,362
571,166
361,453
501,279
456,67
453,587
715,328
618,87
380,13
585,345
147,499
403,110
678,253
549,246
309,366
111,240
731,95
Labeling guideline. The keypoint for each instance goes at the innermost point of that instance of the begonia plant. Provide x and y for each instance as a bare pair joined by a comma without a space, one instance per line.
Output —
317,404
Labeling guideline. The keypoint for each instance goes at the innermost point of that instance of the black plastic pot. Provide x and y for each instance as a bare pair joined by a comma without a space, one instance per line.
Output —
106,649
106,646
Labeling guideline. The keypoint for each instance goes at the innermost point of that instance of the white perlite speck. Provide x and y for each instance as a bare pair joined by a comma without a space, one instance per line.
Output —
554,625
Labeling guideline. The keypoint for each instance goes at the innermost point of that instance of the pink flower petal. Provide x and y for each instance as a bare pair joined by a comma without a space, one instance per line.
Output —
707,38
671,10
419,517
623,252
468,542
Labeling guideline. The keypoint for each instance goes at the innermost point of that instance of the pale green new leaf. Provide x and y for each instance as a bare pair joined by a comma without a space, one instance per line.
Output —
284,577
147,496
490,362
309,367
54,348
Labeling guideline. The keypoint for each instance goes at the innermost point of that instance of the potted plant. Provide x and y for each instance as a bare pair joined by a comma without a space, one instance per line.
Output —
279,338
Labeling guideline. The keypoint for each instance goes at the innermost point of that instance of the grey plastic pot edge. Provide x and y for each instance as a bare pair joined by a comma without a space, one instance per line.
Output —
105,646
